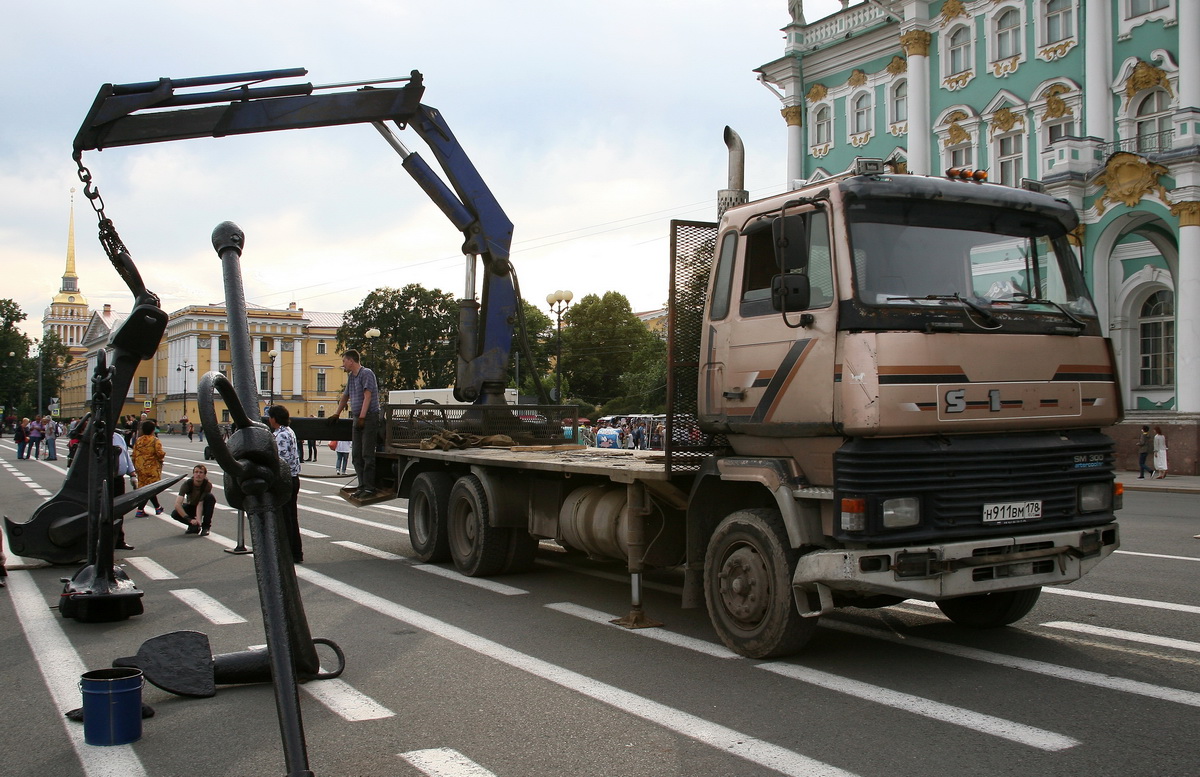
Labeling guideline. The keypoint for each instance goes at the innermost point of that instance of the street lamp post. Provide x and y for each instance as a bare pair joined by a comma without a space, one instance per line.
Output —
371,334
185,368
274,354
559,301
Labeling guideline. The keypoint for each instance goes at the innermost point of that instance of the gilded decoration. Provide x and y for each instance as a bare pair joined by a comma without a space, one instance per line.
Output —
1056,106
1056,50
793,116
952,9
1076,236
1004,120
897,166
1126,179
861,139
1145,76
898,129
955,134
1188,213
958,80
898,66
916,43
819,152
1006,67
857,78
817,93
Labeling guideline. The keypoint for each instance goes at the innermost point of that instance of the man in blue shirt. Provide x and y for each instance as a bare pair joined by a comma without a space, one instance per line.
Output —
362,395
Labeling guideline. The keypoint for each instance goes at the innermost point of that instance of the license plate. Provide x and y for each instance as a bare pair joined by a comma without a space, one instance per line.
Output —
1005,512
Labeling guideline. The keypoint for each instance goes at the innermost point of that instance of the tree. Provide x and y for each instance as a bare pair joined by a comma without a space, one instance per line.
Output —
14,369
416,347
602,340
54,356
540,329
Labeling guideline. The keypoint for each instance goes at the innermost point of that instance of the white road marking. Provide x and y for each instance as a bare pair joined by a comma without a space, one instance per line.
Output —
316,535
1131,636
728,740
661,635
1157,555
1108,682
444,762
353,519
393,508
1123,600
670,589
976,721
345,701
376,552
151,568
449,574
61,668
207,606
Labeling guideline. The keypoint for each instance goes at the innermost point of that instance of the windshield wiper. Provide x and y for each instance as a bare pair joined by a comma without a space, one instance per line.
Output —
1026,299
983,313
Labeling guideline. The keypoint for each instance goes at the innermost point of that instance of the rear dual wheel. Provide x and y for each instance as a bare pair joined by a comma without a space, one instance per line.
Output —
478,548
428,507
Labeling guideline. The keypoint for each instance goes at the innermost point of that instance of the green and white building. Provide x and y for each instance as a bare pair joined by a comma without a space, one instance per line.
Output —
1097,99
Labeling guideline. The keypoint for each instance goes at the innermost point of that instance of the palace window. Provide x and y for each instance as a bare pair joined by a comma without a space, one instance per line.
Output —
321,347
321,381
900,102
1156,327
1059,16
1010,159
862,114
823,126
1140,7
960,50
1008,34
1153,117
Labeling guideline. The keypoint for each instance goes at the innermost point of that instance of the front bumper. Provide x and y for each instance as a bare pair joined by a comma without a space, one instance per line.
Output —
933,572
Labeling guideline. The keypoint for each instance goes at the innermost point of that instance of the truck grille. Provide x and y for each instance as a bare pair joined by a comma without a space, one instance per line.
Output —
954,477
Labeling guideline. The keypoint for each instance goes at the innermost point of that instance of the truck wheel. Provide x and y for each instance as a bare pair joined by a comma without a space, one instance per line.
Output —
989,611
428,507
478,548
748,586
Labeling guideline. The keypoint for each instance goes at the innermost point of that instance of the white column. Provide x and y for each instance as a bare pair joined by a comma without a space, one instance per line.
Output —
916,44
795,144
1189,54
297,367
1187,310
1097,45
256,360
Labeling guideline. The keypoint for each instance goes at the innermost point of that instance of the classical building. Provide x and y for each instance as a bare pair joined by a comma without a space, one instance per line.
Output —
1099,100
294,352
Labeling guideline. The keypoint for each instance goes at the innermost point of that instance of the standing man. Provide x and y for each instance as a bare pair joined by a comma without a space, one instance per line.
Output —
1144,448
362,394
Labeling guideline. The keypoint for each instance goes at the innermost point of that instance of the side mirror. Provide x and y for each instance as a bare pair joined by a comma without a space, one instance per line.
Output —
790,293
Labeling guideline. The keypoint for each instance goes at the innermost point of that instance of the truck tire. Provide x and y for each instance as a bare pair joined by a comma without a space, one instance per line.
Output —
989,611
428,510
478,548
748,586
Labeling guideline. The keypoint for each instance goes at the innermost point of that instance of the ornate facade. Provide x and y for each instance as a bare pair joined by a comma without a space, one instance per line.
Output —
1100,100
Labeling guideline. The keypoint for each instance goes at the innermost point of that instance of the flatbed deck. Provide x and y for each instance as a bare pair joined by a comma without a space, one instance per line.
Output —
621,466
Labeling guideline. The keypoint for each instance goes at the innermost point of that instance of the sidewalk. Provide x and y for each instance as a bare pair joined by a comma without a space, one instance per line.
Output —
1172,484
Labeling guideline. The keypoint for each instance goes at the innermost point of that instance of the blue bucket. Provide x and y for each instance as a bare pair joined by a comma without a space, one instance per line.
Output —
112,706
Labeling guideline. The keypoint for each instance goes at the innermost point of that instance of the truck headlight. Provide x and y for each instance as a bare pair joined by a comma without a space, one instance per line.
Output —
901,511
1094,497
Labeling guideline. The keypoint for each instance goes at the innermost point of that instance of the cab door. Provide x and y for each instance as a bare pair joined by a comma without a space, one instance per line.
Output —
776,369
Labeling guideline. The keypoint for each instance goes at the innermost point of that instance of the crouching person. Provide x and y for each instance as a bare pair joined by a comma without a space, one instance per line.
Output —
195,495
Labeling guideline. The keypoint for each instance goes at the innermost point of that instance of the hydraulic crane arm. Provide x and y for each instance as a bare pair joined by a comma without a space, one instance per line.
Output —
156,111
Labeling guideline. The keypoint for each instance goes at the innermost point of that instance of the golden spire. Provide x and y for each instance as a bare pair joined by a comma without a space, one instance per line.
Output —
69,293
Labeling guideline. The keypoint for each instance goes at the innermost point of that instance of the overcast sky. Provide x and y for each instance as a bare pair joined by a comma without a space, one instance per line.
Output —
593,123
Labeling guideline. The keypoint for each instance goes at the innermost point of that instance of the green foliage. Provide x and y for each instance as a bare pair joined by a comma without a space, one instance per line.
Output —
540,328
603,342
416,347
19,372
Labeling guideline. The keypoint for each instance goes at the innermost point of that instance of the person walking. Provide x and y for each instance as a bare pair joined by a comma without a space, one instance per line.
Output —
53,430
21,438
36,433
1160,454
311,454
1145,446
343,457
148,456
195,495
362,395
289,453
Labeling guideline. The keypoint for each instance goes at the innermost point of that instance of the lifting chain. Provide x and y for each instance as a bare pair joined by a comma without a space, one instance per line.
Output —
109,238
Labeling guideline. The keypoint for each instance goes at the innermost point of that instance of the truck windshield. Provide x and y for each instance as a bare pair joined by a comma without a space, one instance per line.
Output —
984,261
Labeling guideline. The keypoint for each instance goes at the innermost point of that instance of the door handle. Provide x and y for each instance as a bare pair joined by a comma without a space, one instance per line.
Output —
739,394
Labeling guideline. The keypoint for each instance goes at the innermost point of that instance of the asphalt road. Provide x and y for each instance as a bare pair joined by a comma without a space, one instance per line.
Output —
522,676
